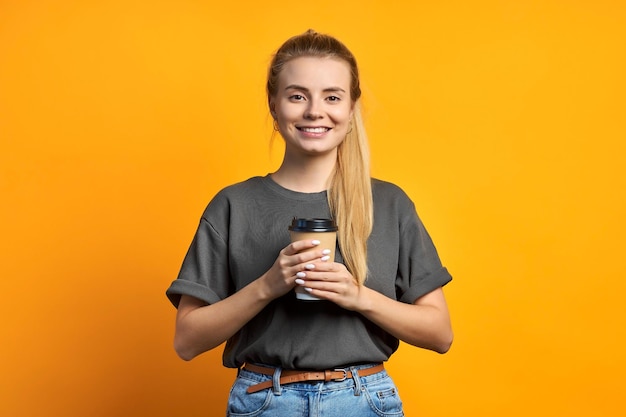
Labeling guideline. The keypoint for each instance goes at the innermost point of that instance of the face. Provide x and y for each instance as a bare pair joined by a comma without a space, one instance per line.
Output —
312,105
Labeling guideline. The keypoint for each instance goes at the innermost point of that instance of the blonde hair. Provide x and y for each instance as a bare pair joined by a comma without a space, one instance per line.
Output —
350,191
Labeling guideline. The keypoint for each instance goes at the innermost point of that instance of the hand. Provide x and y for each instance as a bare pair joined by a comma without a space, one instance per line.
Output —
333,282
293,259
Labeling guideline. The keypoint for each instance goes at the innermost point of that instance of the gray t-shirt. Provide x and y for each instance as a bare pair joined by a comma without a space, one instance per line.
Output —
239,237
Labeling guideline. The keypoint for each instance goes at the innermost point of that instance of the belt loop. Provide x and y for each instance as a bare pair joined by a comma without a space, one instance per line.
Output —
276,381
357,381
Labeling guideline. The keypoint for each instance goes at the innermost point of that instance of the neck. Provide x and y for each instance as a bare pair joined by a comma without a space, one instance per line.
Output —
307,175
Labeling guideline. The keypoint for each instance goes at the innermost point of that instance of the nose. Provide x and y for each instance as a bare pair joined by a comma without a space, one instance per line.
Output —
312,111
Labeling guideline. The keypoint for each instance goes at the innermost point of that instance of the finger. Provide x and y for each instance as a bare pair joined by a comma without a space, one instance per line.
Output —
302,245
299,278
323,266
311,275
319,289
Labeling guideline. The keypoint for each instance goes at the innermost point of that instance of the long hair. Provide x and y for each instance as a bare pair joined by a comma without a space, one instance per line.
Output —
350,191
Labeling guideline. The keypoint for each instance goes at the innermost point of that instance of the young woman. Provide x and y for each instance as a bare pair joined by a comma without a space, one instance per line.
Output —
236,284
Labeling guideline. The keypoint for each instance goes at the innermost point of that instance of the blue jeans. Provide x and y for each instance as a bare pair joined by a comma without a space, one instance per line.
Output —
374,395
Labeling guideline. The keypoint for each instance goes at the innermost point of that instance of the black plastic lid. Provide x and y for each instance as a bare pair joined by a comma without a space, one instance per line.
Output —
313,225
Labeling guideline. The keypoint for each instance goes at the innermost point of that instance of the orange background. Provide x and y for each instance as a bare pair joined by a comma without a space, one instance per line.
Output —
504,121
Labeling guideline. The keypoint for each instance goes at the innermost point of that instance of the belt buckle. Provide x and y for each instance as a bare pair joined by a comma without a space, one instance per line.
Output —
345,374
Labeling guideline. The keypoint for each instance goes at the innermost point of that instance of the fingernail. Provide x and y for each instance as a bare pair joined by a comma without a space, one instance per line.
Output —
326,251
301,275
307,289
309,266
299,281
315,242
325,258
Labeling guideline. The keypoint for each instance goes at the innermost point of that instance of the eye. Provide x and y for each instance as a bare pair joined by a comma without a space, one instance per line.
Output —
333,98
296,97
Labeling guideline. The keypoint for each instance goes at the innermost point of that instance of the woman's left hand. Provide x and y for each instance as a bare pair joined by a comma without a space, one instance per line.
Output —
333,282
425,323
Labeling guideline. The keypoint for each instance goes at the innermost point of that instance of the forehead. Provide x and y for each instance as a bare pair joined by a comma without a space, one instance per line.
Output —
313,72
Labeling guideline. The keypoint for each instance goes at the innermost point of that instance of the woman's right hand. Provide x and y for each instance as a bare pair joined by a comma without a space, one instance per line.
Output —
201,327
294,258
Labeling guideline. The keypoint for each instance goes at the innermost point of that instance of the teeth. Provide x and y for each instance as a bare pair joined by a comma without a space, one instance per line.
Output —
314,129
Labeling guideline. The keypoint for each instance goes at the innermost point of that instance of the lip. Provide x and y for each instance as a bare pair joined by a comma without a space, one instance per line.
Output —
313,132
313,129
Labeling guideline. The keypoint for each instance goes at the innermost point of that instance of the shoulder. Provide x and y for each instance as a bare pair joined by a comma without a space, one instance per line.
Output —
385,187
386,193
234,195
241,188
240,191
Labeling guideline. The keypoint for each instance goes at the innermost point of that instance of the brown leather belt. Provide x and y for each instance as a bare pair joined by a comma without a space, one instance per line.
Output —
289,376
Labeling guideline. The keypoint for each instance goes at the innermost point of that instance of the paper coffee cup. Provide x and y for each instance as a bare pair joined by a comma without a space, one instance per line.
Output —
324,230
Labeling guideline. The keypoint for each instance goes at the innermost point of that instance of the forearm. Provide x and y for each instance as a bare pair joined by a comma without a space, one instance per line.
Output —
425,324
203,328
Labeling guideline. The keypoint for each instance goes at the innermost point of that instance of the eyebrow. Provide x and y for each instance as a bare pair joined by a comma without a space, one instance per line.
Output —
326,90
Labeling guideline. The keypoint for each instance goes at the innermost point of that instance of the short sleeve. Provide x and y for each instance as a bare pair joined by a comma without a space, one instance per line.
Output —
204,273
419,268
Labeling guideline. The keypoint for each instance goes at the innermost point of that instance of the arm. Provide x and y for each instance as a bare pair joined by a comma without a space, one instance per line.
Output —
201,327
425,323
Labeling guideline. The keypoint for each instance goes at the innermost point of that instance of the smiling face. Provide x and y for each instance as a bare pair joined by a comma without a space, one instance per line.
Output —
312,105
